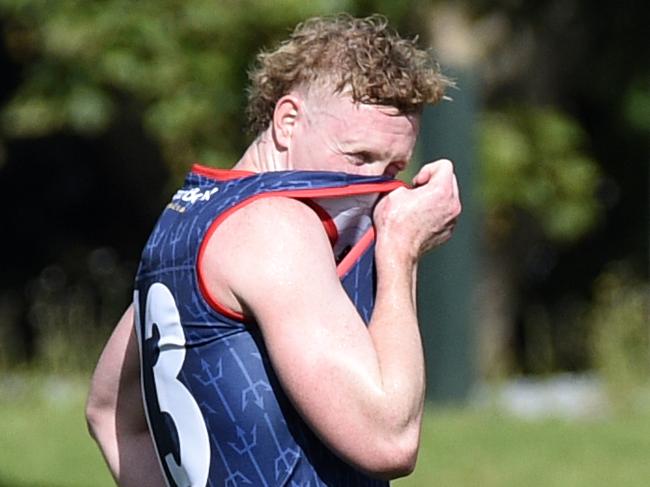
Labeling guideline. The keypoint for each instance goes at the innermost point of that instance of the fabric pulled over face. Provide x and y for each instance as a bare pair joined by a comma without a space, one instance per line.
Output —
352,217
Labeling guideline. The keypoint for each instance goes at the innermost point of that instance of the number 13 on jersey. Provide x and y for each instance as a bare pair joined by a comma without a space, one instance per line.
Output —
173,415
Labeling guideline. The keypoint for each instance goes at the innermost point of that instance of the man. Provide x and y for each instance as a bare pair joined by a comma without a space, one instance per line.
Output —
276,322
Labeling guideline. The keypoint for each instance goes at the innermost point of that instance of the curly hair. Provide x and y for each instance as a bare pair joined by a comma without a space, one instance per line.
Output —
343,52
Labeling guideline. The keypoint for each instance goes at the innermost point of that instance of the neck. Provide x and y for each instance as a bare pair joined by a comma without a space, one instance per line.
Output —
263,156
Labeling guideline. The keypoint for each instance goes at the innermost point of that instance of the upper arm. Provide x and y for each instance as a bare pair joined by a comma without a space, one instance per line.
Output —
276,260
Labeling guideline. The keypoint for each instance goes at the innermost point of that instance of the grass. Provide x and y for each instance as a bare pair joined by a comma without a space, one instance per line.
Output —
43,443
43,437
487,449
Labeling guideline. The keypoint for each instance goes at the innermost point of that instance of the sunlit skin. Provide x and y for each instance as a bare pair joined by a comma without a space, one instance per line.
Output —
333,133
361,389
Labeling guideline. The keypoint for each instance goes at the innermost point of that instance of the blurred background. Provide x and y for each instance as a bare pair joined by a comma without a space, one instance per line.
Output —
536,316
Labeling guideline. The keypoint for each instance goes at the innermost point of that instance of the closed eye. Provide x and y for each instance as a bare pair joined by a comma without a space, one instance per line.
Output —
362,157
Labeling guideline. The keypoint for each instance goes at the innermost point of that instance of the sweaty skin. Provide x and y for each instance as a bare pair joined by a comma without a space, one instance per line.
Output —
360,389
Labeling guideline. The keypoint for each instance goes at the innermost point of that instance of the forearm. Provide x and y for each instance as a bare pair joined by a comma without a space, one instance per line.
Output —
409,223
129,455
115,413
101,425
396,339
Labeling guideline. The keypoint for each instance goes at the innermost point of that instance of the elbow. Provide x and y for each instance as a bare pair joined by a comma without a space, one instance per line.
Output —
400,460
396,458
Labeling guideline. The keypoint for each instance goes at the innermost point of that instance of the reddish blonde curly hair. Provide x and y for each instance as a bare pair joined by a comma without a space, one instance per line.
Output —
363,56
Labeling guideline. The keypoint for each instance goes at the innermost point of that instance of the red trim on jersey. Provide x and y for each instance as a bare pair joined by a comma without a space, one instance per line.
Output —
344,266
356,252
220,174
325,218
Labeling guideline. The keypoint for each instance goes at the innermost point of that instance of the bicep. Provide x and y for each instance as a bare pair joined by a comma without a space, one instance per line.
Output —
310,327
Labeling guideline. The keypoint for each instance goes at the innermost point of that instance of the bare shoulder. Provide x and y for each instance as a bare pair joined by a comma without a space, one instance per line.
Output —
272,227
271,243
268,216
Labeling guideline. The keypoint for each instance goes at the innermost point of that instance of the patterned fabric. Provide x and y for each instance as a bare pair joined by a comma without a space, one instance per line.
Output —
217,413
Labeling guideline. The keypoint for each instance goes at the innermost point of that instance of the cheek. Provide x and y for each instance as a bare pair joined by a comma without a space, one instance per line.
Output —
310,154
322,154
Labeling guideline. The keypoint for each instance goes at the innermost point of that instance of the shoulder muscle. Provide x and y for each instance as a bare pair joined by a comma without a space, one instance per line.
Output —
268,245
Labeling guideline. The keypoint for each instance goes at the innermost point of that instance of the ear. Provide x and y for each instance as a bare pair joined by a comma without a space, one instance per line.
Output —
285,118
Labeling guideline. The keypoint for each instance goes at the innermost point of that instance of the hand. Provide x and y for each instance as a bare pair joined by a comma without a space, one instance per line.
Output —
415,220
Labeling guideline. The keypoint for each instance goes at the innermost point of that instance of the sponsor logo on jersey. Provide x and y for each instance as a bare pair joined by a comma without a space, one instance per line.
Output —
193,195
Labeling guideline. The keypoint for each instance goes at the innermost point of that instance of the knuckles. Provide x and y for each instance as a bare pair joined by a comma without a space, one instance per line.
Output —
457,208
444,165
437,169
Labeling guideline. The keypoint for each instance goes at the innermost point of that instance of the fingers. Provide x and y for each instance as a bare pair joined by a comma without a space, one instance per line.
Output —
439,174
421,178
440,179
428,171
456,195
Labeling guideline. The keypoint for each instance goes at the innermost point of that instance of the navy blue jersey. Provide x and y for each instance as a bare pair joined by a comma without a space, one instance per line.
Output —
217,412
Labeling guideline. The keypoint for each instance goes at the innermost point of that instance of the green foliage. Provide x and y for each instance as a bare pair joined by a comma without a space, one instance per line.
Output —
179,67
620,324
182,64
479,448
636,105
533,161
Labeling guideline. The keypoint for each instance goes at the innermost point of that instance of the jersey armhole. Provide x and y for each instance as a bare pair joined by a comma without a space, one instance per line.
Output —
355,253
325,218
305,196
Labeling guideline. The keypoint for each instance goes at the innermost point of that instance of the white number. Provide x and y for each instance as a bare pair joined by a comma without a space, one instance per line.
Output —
173,398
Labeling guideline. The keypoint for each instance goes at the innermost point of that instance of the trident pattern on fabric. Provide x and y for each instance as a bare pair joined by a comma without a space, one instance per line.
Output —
216,410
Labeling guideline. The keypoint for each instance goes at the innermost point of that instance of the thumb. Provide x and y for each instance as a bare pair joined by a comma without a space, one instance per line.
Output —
422,177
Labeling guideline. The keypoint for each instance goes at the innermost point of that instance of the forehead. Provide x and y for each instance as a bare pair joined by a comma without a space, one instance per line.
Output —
358,123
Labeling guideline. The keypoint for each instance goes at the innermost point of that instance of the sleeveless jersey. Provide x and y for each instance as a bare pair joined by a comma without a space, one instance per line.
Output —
216,411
